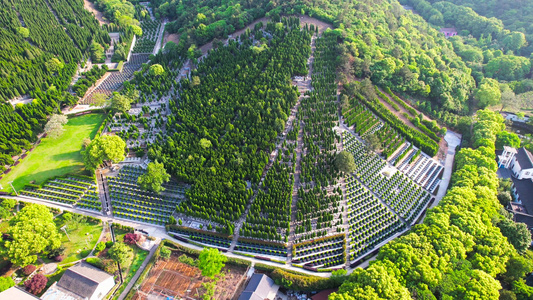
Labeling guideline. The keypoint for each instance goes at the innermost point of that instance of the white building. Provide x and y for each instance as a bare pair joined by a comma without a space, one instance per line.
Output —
521,164
16,293
81,282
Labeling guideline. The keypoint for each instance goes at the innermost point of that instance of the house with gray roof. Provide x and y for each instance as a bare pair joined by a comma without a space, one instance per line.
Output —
16,293
81,282
260,287
522,164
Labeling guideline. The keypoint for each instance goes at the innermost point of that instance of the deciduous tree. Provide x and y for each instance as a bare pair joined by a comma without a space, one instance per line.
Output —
154,177
345,162
54,127
120,253
103,148
36,284
211,262
156,70
32,230
120,103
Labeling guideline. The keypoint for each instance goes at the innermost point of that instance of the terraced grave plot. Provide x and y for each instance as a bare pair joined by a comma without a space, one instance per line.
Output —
146,43
370,222
394,188
81,192
116,79
318,253
212,239
260,248
269,215
318,211
130,202
422,169
363,122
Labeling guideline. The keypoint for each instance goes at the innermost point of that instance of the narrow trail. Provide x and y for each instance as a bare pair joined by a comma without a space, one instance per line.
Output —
306,85
299,149
270,163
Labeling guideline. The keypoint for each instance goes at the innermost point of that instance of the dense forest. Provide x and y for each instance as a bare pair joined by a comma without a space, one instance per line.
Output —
228,116
43,43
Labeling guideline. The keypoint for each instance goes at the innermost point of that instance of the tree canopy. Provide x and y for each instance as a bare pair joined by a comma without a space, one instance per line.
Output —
120,253
54,127
211,262
103,148
154,177
30,232
345,162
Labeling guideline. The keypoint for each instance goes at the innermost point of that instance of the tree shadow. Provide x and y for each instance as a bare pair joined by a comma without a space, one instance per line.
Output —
66,155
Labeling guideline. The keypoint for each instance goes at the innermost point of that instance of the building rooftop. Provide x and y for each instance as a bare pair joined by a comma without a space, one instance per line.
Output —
15,293
259,287
78,282
524,188
523,218
510,149
524,158
448,30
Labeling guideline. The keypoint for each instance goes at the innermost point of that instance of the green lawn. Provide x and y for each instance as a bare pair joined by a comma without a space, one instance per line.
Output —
55,157
83,236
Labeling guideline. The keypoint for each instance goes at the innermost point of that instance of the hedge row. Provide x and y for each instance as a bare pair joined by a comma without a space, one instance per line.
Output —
415,137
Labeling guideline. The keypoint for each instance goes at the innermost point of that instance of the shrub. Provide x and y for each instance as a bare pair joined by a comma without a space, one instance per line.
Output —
109,244
27,270
95,261
56,252
301,282
5,283
131,238
59,258
100,246
36,284
110,267
165,253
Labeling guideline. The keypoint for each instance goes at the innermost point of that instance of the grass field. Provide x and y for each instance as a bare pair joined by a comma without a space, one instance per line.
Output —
83,236
55,157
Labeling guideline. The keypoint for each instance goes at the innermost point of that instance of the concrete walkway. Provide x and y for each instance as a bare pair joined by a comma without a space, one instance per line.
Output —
133,281
453,139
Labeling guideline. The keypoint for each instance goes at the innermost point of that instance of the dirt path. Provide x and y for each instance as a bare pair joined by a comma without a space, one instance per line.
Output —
168,37
303,20
98,14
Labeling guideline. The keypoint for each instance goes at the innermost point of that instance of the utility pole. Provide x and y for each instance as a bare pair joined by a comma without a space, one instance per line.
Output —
11,183
64,228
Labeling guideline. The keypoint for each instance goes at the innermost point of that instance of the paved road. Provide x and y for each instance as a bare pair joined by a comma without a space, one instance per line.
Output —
159,37
453,139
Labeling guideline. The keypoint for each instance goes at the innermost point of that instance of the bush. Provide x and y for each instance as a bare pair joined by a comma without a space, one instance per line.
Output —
27,270
110,267
95,261
302,282
100,246
109,244
5,283
165,253
131,238
56,252
59,258
36,284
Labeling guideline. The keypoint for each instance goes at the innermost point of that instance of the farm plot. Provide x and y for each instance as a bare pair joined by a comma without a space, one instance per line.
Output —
178,280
